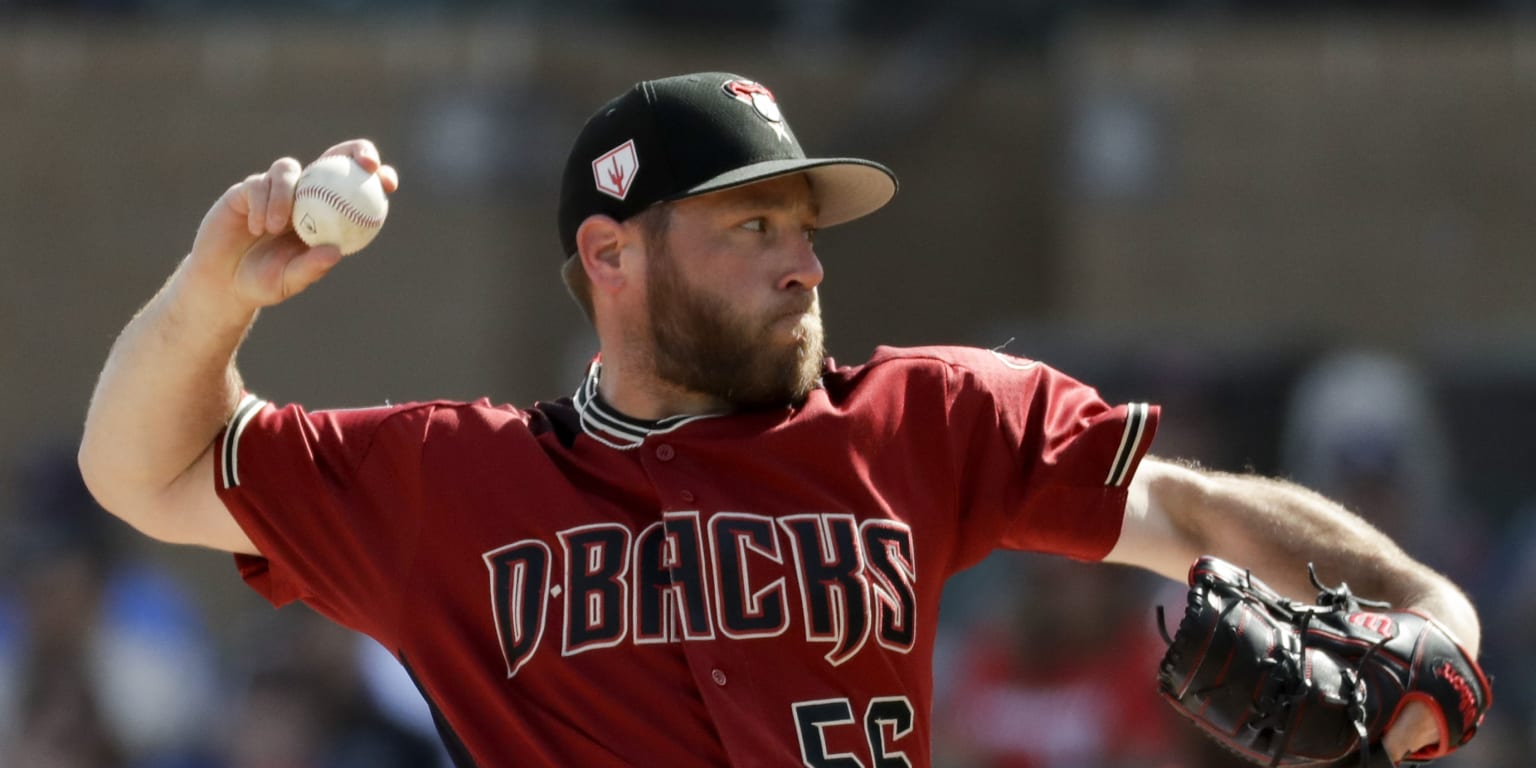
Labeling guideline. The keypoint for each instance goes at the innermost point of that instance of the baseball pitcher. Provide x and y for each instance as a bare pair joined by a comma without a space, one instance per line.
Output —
722,530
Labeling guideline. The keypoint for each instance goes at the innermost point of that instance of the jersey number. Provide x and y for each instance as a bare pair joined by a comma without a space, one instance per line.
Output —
893,713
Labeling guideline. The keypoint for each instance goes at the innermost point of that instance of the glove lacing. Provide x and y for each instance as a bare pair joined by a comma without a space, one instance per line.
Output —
1341,599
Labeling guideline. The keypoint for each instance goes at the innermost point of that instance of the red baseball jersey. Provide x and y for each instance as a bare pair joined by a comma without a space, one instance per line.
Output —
570,586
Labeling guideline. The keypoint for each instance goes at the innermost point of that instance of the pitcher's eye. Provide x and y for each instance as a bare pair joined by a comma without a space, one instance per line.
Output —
756,225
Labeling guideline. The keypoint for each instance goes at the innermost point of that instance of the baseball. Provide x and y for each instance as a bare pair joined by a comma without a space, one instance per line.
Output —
338,203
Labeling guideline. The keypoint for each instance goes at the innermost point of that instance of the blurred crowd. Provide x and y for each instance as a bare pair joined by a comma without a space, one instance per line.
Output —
108,659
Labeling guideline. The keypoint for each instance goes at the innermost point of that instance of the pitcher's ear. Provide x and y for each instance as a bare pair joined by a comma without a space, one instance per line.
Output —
600,242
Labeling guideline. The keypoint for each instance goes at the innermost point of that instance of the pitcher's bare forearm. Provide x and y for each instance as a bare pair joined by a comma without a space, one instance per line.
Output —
168,386
1275,528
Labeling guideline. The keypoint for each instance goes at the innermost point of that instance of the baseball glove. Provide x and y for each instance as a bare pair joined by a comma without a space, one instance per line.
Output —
1281,682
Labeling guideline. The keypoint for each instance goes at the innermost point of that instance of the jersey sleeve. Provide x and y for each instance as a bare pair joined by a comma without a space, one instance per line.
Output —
330,499
1044,461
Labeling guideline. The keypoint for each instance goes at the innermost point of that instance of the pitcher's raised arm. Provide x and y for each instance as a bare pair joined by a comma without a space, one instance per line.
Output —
170,384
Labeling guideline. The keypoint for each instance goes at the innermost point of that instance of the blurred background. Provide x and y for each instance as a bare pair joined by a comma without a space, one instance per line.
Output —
1303,227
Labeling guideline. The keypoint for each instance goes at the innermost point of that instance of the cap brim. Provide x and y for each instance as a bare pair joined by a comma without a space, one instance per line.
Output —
845,188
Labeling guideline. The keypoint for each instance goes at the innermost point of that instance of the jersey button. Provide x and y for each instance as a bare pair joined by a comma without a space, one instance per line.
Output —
665,452
687,496
717,676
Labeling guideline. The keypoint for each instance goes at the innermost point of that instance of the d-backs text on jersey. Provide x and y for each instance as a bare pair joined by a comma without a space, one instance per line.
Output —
686,579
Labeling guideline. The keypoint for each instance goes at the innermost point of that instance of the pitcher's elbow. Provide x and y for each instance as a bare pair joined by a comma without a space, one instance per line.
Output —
105,480
93,472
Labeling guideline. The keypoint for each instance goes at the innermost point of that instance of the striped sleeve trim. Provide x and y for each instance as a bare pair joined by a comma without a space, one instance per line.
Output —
1130,442
229,451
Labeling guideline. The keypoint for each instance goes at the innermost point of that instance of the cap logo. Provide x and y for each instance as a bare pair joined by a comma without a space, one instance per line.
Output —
762,101
615,171
758,96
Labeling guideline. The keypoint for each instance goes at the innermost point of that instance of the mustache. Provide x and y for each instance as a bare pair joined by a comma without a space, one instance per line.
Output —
805,304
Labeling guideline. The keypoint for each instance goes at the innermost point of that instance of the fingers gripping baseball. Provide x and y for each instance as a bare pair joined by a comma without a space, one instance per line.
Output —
247,245
366,154
270,197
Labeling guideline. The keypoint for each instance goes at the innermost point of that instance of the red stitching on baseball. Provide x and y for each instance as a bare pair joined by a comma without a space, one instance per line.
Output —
332,198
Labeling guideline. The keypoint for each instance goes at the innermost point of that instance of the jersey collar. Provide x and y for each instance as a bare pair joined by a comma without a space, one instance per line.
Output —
603,423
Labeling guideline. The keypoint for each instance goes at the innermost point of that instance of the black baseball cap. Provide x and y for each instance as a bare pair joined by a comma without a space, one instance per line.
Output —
677,137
